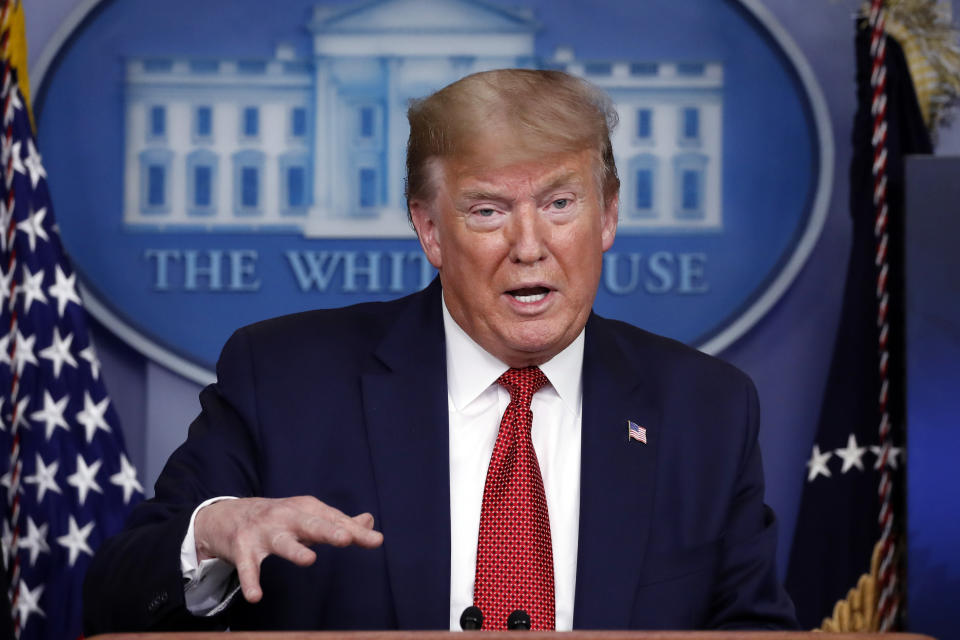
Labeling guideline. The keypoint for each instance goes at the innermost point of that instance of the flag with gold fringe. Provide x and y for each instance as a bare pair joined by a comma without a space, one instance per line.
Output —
65,481
846,564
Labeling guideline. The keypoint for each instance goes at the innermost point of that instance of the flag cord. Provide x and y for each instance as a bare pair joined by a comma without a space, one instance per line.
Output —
888,602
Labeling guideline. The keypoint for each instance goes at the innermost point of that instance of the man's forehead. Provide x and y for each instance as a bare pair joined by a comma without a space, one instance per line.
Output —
544,171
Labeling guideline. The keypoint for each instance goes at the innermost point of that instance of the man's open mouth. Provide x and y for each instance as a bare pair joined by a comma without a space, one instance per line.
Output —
529,294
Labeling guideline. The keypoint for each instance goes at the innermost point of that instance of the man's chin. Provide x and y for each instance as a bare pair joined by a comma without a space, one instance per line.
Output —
527,351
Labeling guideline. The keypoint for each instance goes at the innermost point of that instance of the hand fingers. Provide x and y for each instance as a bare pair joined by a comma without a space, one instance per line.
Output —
248,571
288,547
336,529
365,520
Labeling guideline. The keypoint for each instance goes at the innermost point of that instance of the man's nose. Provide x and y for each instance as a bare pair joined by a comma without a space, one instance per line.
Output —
526,233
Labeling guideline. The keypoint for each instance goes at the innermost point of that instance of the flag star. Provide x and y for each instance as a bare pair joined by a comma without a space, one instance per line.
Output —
23,352
64,289
818,464
5,350
32,288
13,104
28,602
20,414
6,480
45,477
35,541
6,540
33,227
52,414
85,478
852,455
76,539
92,416
13,153
5,280
59,352
127,479
891,457
90,356
34,164
5,216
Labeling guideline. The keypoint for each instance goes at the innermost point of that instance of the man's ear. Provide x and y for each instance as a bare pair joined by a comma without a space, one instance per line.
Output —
428,233
610,217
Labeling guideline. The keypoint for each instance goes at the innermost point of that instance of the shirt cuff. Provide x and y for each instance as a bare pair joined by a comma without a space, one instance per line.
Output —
208,586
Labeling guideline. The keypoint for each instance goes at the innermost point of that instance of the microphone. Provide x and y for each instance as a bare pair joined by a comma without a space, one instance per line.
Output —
471,619
518,621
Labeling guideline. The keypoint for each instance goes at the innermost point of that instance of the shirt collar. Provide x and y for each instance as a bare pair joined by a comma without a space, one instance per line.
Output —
471,370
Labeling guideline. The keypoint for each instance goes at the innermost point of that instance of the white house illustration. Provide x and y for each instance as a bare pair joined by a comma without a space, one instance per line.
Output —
317,145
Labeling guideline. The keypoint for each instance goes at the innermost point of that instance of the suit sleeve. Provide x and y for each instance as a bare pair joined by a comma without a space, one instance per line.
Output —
134,582
748,594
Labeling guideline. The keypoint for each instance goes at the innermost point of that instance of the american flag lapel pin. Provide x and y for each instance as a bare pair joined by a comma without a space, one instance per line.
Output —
636,432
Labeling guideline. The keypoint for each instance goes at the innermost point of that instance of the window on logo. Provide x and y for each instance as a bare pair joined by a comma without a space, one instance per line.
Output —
644,124
247,182
641,184
689,184
644,68
644,189
367,122
368,187
251,122
294,180
690,124
296,187
298,122
691,190
202,183
598,68
691,69
156,179
158,121
249,187
204,122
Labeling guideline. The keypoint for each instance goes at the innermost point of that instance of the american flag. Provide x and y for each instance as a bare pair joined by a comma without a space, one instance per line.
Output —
636,432
65,481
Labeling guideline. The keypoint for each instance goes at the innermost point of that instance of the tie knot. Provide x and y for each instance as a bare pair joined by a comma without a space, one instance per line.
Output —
523,383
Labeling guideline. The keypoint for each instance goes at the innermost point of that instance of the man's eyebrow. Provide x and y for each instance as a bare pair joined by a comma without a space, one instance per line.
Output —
482,195
570,178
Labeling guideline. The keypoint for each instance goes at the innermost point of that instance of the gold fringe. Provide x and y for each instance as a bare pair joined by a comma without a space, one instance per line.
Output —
930,44
858,611
17,49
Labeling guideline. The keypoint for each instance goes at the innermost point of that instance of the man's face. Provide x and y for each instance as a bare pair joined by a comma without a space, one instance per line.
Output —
519,248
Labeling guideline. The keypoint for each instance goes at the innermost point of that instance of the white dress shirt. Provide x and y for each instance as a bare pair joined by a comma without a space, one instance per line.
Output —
476,404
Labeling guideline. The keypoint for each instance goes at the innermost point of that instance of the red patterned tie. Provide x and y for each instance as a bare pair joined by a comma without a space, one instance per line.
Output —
515,553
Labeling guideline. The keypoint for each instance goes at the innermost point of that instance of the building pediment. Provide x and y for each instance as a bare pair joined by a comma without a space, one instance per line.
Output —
421,16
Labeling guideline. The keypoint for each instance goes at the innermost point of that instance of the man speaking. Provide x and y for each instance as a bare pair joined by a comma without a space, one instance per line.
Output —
487,441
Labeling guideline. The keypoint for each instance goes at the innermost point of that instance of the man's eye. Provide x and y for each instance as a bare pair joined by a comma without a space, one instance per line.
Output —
561,203
486,213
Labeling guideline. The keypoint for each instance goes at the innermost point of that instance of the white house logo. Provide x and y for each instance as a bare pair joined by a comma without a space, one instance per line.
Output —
210,176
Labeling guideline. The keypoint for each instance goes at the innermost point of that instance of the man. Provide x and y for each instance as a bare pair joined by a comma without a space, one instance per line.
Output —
634,501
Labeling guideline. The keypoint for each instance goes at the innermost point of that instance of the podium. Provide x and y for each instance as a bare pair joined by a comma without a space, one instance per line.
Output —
521,635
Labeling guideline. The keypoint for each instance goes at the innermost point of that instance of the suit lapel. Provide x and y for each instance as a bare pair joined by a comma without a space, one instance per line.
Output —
405,406
616,480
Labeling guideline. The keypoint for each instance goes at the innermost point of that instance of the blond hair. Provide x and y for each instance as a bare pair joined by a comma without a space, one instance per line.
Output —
541,111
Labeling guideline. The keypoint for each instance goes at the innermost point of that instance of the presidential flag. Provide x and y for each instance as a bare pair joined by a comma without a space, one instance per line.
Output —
845,571
65,481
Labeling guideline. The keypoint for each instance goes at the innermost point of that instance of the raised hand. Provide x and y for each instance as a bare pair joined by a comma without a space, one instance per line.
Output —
245,531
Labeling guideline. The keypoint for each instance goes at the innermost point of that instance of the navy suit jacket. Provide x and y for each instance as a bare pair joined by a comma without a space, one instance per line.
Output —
350,405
